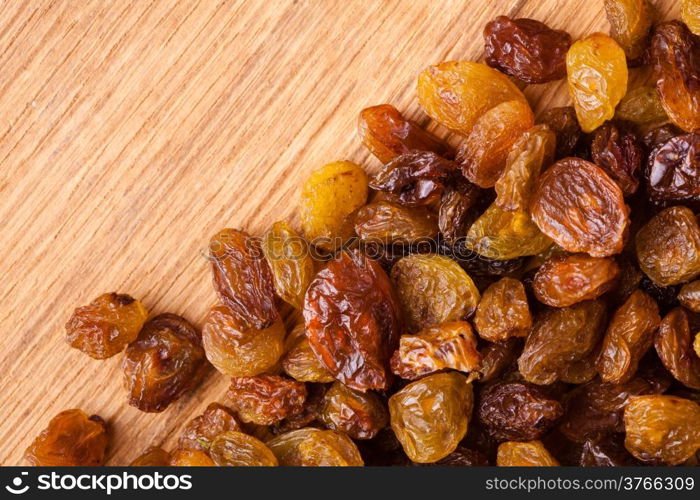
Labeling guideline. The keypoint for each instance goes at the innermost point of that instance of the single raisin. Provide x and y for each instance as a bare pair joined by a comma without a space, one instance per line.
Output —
235,449
563,122
300,362
191,458
641,105
630,22
359,415
265,399
310,447
388,223
674,345
527,454
503,311
201,430
673,170
689,296
617,150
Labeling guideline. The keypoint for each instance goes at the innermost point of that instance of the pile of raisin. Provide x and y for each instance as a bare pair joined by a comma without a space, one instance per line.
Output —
530,297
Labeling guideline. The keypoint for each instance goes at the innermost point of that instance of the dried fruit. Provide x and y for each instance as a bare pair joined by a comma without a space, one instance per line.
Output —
163,363
265,399
463,457
433,289
503,311
482,156
387,134
674,345
696,344
191,458
563,281
353,320
516,411
662,428
455,214
104,327
240,351
628,337
456,93
660,135
559,340
641,105
430,416
582,209
242,278
310,447
235,449
689,296
597,74
529,454
630,22
152,457
498,357
617,150
690,13
201,431
359,415
450,345
674,170
72,438
668,247
300,362
526,49
674,54
563,122
387,223
605,453
328,197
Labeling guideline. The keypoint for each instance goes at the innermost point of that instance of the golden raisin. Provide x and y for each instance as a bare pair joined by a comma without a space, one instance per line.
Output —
300,362
265,399
524,454
503,311
235,449
357,414
191,458
310,447
630,22
201,431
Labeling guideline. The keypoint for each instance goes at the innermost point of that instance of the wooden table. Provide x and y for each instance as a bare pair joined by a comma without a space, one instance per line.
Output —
132,130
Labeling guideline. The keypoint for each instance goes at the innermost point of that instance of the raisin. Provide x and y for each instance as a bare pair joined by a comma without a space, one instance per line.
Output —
689,296
201,430
430,416
265,399
581,208
414,179
660,428
668,247
449,345
191,458
674,345
242,278
309,447
526,49
660,135
690,13
665,296
353,320
152,457
235,449
457,93
482,156
498,357
433,289
387,223
674,169
696,344
308,415
455,214
329,196
387,134
72,438
605,453
563,122
503,311
565,280
239,351
104,327
300,362
528,454
561,338
628,337
597,75
630,22
463,457
641,105
617,150
359,415
516,411
675,54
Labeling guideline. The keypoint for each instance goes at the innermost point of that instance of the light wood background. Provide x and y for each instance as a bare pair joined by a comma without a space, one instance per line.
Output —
132,130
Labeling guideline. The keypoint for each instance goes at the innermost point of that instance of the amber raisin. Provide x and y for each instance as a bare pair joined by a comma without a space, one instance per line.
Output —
359,415
527,454
630,22
310,447
498,357
387,223
300,362
503,311
235,449
690,13
674,345
689,296
265,399
201,430
455,214
191,458
641,105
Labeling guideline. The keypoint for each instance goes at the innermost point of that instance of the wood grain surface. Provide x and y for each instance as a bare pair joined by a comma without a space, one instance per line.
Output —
132,130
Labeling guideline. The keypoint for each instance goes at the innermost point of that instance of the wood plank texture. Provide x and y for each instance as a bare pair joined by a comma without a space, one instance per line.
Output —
132,130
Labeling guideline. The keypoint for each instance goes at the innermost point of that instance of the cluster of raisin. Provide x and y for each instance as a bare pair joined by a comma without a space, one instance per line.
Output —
531,297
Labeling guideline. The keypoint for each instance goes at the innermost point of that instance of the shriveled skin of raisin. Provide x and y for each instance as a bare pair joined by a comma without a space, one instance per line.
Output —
387,223
387,134
668,247
527,49
414,179
450,345
498,357
201,430
265,399
430,416
629,336
675,56
690,13
357,414
300,362
242,278
482,156
455,213
559,339
191,458
565,280
605,453
235,449
617,150
597,76
581,208
239,351
457,93
463,457
674,345
689,296
662,429
104,327
673,170
72,438
328,197
660,135
563,122
516,411
152,457
353,320
641,105
165,361
310,447
308,416
630,22
503,311
433,289
290,262
524,454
